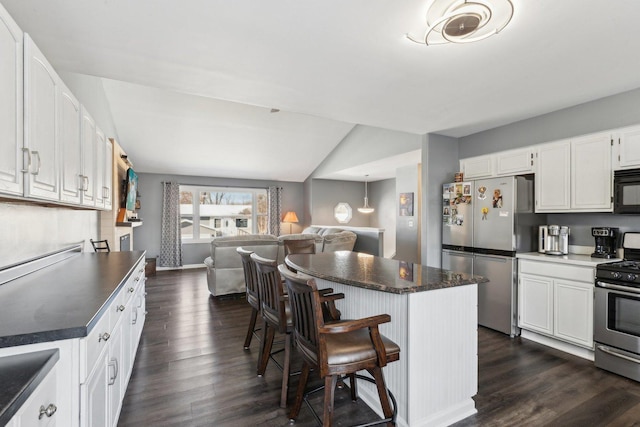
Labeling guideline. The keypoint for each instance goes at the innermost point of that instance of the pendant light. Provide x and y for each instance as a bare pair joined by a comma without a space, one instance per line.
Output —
366,209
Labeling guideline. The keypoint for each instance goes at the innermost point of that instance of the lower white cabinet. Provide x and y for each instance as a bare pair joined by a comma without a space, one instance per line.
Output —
40,410
556,300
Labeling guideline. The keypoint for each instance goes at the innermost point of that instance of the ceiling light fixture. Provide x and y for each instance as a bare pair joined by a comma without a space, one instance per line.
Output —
366,209
463,21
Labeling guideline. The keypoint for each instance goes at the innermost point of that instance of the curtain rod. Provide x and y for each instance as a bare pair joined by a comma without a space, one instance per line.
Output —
223,186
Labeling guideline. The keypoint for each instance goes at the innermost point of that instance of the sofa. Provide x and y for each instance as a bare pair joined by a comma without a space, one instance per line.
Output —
224,267
328,239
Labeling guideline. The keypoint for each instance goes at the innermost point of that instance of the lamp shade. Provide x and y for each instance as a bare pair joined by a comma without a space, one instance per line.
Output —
290,217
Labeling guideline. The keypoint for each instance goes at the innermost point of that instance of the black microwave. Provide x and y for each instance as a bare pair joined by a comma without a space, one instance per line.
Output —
626,191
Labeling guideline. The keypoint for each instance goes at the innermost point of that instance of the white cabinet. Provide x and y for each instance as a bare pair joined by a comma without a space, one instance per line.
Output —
89,147
100,153
108,175
477,167
591,173
556,300
115,338
40,409
11,109
515,162
70,147
627,148
573,305
535,296
40,116
575,175
553,177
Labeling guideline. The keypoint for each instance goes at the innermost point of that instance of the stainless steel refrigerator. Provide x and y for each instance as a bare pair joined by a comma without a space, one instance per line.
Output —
498,220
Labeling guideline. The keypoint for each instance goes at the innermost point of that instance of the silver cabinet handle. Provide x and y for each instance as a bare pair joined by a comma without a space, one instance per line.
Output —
131,289
28,168
113,363
37,154
48,411
104,337
120,308
85,180
134,319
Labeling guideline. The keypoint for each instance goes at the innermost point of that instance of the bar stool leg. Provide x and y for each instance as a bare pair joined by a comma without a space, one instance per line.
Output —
329,393
285,371
252,327
265,347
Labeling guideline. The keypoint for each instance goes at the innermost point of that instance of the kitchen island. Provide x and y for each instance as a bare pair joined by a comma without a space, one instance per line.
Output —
433,319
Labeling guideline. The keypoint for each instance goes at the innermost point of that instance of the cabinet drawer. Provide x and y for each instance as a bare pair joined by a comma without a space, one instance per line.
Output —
42,400
92,345
559,271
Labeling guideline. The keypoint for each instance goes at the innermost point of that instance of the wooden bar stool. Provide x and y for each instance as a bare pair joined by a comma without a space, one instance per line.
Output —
338,348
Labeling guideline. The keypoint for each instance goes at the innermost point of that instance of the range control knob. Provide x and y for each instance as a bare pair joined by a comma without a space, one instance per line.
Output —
616,275
631,277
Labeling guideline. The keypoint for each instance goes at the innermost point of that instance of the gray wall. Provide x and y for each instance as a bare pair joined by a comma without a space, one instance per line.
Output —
147,236
439,163
383,195
326,194
28,230
408,239
602,114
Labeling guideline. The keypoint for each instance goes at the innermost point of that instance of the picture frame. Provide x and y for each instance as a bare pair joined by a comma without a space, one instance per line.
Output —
406,204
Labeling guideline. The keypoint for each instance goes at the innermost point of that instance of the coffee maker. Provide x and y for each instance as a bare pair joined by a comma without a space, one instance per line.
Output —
553,239
606,238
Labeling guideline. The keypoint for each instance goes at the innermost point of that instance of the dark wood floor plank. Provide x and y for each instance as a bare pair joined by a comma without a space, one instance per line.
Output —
191,370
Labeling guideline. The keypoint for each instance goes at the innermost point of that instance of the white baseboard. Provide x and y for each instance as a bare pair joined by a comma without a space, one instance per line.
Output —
558,345
184,267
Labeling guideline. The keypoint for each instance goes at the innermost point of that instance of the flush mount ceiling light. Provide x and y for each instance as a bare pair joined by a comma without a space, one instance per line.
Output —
366,209
462,21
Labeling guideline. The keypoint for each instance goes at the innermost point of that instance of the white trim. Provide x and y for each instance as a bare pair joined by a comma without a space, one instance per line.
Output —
184,267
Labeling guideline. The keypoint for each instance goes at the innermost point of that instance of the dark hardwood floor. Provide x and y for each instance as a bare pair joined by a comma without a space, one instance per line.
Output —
191,370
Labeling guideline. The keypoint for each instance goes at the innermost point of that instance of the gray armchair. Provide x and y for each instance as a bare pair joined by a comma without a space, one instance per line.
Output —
224,267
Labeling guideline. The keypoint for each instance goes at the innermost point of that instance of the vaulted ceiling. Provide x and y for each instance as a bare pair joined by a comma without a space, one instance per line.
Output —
191,83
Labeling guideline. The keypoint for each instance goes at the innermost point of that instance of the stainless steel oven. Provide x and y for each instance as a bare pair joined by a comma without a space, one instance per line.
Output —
617,312
626,191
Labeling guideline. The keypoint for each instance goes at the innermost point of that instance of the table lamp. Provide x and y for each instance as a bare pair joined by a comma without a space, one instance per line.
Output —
290,217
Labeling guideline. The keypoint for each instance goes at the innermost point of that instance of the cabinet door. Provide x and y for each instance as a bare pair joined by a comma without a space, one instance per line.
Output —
628,148
535,303
41,88
11,110
115,369
515,162
108,175
89,146
553,177
591,177
94,408
477,167
44,397
99,170
573,312
70,147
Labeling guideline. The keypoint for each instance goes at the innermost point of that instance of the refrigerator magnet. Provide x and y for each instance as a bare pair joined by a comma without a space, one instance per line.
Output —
484,211
482,193
504,213
497,198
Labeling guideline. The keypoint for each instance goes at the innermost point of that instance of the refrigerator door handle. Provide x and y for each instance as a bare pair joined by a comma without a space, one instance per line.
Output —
496,258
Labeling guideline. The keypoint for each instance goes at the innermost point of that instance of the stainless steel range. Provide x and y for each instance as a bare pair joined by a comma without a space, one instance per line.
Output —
617,312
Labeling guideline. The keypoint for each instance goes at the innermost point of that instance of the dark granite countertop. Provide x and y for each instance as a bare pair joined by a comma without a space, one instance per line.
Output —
380,274
20,375
64,300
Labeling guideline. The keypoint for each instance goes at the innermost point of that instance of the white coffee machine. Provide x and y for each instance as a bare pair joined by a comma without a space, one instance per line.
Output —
553,239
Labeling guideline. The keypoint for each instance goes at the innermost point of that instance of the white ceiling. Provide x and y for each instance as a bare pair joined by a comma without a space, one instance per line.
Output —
191,82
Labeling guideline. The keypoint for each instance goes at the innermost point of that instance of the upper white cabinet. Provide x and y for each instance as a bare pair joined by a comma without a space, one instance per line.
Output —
70,147
575,175
553,177
627,148
89,148
591,173
477,167
11,110
108,175
504,163
515,162
40,116
100,154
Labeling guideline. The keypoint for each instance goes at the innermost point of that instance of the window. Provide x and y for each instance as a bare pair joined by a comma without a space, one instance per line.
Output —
207,212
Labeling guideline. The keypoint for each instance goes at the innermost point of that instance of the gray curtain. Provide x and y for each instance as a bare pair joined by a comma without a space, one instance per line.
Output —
171,239
275,210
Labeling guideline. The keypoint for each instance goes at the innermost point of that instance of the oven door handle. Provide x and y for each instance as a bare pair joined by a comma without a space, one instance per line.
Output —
618,287
617,354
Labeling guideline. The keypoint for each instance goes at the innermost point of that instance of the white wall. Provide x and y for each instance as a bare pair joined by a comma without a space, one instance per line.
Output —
28,230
